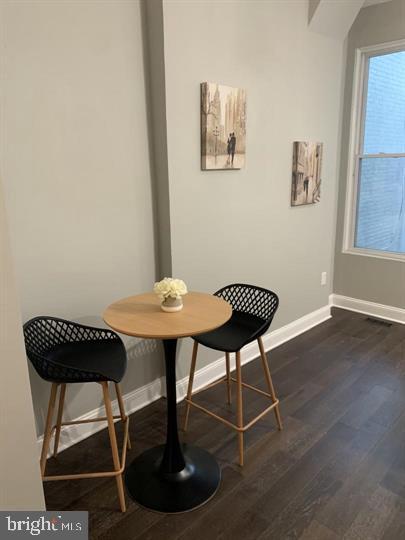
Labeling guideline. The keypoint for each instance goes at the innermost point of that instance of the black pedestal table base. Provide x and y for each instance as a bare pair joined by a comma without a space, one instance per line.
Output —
173,492
172,478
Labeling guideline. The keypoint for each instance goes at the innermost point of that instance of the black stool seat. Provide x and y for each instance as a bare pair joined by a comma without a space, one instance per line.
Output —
67,352
241,329
91,360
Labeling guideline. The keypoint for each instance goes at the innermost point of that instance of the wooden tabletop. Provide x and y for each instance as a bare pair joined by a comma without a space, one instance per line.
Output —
141,316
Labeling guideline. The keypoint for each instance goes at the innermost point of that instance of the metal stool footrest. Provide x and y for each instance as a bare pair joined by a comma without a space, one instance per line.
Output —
102,474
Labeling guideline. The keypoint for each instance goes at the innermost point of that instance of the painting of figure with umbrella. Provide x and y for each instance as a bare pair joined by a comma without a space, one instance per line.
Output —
306,175
223,127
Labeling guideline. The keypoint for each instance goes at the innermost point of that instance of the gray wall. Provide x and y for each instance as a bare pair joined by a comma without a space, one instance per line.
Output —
232,226
367,278
152,11
84,176
20,478
76,168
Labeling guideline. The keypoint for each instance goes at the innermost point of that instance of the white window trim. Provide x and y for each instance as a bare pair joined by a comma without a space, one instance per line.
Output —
359,100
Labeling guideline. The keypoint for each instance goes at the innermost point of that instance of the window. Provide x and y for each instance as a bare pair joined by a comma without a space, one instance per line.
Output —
375,205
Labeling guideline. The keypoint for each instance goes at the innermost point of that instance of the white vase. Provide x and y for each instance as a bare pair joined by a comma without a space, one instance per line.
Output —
171,305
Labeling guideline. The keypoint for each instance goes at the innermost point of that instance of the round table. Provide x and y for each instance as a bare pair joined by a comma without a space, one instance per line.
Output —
172,477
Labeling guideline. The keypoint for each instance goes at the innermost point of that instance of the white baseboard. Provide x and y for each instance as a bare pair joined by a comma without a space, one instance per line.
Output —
372,309
145,395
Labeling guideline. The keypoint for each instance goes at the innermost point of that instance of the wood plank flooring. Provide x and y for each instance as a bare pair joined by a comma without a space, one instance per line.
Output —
336,471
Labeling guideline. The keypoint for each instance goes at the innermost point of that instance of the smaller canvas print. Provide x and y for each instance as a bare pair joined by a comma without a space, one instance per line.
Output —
306,173
223,127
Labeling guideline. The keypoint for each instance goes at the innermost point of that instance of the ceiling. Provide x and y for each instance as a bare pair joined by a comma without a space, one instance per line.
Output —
372,2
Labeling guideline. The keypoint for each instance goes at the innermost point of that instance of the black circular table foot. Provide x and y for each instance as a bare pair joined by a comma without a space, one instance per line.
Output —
173,492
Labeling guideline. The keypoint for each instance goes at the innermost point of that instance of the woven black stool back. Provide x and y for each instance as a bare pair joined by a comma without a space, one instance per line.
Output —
44,334
257,301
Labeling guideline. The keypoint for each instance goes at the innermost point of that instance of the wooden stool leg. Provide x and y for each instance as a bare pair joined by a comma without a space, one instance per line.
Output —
122,408
48,427
228,377
113,441
59,418
269,382
190,384
239,407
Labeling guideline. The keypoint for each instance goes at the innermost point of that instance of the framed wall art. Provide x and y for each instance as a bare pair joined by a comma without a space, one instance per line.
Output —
306,173
223,127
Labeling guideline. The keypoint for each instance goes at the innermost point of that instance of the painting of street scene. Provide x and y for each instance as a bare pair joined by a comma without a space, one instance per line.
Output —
223,127
306,173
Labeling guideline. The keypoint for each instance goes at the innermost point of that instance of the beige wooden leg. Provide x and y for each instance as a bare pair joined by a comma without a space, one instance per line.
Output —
59,418
114,447
239,407
269,382
190,384
122,408
48,427
228,377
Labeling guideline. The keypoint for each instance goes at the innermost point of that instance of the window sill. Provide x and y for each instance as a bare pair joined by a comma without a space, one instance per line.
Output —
375,254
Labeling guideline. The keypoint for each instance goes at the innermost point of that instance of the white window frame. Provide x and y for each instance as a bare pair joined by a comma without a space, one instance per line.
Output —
357,121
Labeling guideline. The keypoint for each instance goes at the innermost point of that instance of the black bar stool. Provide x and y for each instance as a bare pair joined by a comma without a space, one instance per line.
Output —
253,311
65,352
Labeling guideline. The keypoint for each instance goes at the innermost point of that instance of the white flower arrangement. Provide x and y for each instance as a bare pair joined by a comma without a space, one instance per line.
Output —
170,288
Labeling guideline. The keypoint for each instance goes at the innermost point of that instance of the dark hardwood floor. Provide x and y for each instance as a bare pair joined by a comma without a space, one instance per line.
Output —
337,470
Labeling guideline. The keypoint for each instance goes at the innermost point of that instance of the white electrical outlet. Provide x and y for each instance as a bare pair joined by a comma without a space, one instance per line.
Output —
324,277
